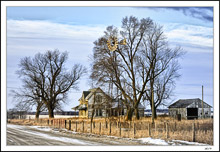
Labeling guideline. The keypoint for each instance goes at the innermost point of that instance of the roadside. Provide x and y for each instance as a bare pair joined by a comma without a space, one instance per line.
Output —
45,135
38,135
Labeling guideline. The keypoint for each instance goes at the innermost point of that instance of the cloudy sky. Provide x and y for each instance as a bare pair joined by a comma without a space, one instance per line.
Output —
74,29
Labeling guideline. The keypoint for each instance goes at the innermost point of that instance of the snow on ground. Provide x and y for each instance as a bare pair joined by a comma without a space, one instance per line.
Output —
190,143
62,139
153,141
172,142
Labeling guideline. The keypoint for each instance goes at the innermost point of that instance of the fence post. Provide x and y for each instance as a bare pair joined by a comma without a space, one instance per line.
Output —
76,127
175,125
120,129
164,126
90,127
134,129
167,130
100,124
193,132
65,123
110,128
149,131
69,124
83,126
106,124
59,123
48,122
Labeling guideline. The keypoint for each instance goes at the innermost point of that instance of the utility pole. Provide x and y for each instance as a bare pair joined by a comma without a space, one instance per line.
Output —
202,104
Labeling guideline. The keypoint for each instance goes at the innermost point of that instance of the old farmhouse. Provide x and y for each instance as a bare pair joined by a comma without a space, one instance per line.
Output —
97,103
189,109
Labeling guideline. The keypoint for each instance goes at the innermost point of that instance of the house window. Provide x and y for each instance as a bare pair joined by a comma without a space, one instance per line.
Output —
98,112
98,99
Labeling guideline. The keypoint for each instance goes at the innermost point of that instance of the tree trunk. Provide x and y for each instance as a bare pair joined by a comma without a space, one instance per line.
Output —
38,110
137,114
50,112
129,114
155,112
37,114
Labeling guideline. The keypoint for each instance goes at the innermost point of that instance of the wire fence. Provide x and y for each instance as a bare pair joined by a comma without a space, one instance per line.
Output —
168,129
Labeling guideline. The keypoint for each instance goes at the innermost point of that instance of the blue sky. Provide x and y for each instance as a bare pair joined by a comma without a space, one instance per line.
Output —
74,29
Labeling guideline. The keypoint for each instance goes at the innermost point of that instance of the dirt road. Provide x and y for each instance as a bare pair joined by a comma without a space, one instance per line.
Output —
36,135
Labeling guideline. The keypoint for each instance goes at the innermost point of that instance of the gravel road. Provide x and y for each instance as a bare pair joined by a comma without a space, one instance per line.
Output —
36,135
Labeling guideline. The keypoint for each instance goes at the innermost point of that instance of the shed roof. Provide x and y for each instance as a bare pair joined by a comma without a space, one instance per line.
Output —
183,103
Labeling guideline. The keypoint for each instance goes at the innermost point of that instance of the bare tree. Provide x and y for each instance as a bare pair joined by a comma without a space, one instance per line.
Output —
47,74
131,67
28,99
164,69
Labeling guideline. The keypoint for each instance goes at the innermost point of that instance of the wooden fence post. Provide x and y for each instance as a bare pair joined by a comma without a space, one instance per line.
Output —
149,131
83,126
69,124
94,124
167,130
175,125
120,129
76,127
110,128
65,123
48,122
164,126
106,124
134,129
90,127
193,132
59,123
100,124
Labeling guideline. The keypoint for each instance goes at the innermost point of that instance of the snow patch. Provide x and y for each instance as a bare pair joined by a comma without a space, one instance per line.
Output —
153,141
62,139
190,143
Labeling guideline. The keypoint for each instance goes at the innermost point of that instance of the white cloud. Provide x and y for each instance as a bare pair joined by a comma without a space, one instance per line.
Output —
45,29
26,38
189,34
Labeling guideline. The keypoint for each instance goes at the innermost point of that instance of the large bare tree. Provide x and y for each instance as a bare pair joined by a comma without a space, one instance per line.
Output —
134,65
47,75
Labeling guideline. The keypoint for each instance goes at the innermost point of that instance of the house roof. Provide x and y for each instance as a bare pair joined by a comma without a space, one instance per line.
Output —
183,103
96,90
86,93
80,107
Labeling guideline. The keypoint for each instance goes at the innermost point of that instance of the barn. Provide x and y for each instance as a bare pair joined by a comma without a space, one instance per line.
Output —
190,109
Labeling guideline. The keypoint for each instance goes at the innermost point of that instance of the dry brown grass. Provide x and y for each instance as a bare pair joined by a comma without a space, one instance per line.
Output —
179,130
